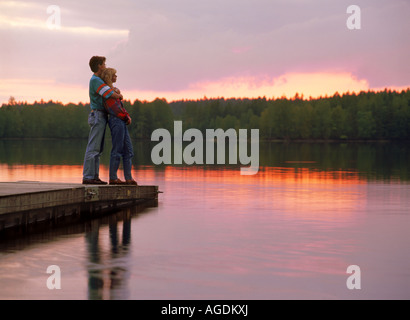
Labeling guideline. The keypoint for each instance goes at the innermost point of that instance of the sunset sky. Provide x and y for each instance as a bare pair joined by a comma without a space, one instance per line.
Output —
188,49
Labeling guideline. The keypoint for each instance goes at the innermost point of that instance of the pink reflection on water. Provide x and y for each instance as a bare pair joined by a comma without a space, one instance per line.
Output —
295,215
43,173
285,232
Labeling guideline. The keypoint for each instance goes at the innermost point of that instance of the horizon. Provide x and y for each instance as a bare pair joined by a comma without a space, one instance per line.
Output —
297,96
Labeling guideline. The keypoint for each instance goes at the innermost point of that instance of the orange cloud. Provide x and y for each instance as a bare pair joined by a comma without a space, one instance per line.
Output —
309,84
31,90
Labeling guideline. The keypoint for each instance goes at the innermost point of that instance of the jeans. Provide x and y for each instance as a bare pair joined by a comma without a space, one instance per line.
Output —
121,148
98,123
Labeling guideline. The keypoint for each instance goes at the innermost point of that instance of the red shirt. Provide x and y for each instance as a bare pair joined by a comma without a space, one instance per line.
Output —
116,108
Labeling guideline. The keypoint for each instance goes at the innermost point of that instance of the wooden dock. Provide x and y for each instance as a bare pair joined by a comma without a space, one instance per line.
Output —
25,204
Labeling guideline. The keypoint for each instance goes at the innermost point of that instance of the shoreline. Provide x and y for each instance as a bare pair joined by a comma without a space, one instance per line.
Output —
261,140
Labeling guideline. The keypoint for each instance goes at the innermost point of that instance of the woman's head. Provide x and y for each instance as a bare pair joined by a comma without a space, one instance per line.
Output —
109,76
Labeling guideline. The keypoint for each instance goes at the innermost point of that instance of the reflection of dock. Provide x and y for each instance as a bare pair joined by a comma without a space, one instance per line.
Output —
27,204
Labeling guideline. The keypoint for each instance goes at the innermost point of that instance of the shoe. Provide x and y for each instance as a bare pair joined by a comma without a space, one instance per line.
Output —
93,181
88,181
116,182
100,181
131,182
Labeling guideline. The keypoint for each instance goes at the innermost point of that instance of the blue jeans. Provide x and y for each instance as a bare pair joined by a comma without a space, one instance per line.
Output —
121,148
98,123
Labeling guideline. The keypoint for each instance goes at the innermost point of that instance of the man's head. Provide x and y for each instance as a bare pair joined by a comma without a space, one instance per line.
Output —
97,64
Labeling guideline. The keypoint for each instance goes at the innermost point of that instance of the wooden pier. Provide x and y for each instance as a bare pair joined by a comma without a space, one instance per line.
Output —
25,204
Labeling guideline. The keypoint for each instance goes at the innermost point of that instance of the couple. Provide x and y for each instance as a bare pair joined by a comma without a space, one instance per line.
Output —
106,106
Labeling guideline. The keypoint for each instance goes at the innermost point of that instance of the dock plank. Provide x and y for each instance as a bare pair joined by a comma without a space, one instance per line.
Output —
19,187
27,202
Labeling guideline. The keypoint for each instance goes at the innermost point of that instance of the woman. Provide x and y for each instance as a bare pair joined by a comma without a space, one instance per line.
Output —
121,141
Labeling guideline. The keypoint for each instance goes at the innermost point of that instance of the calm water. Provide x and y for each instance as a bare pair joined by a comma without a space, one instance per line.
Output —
289,232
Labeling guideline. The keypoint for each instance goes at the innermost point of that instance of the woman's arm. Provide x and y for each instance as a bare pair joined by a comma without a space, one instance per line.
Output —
115,108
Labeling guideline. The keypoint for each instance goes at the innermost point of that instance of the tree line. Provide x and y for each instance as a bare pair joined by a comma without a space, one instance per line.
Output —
351,116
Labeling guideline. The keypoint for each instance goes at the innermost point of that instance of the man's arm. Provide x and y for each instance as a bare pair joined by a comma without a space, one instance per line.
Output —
116,95
105,91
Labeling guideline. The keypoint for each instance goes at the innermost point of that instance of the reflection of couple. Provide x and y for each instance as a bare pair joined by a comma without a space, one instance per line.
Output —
106,106
108,275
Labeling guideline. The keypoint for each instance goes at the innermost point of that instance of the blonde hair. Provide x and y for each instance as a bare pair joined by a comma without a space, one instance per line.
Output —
106,76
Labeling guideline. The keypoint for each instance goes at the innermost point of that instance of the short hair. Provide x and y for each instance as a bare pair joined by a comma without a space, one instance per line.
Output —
95,61
106,76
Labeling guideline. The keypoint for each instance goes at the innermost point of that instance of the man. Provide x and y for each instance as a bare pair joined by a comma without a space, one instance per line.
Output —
97,120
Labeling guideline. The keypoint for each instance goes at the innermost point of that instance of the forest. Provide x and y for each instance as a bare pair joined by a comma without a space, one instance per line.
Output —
383,115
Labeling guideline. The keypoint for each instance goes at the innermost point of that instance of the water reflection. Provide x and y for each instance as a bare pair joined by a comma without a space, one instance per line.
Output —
288,232
108,272
373,160
105,257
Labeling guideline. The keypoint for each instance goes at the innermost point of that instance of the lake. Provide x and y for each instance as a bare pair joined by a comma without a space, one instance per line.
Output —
289,232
